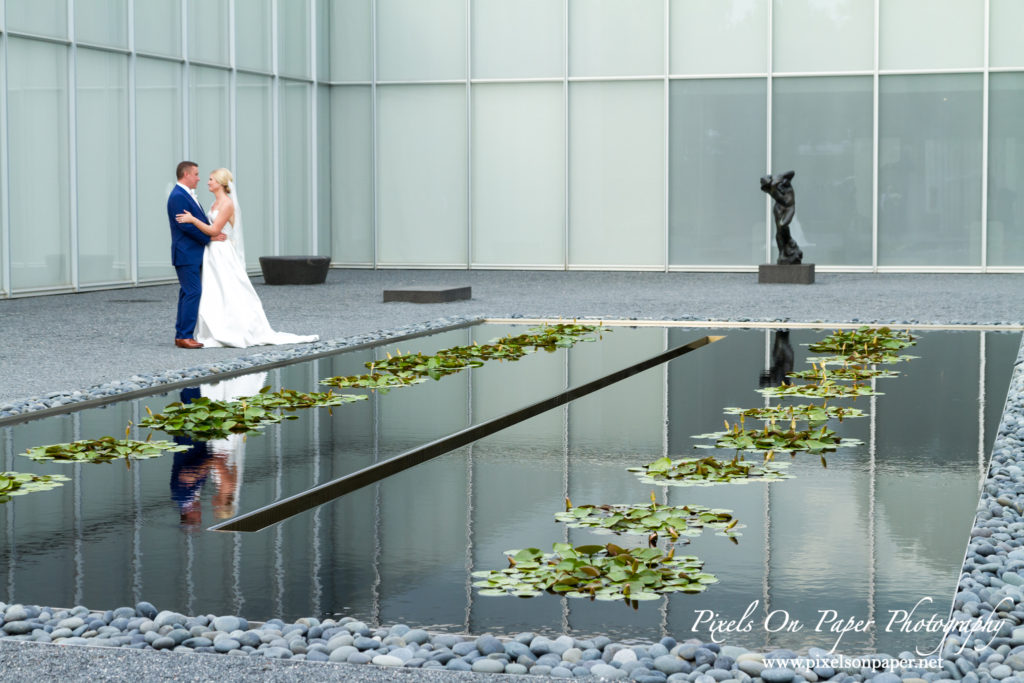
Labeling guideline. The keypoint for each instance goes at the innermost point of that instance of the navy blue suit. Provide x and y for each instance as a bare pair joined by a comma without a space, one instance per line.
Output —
187,244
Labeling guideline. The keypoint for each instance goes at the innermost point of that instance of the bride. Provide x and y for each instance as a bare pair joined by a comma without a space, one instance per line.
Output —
230,312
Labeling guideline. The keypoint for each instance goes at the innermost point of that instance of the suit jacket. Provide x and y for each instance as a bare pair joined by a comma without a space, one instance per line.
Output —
187,241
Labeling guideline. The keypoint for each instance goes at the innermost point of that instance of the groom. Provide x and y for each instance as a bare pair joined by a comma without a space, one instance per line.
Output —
187,247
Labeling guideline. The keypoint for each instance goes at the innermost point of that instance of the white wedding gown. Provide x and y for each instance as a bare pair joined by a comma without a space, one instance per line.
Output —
230,311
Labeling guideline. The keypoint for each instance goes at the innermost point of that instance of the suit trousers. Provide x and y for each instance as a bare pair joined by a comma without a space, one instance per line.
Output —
190,280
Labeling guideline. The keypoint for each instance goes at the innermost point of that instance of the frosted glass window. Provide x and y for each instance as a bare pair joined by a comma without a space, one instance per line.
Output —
616,37
1005,170
718,36
102,22
821,128
253,39
351,30
209,115
522,39
421,209
518,175
40,215
293,38
254,176
323,170
41,17
717,152
158,27
823,35
351,175
159,148
929,170
1005,46
421,40
103,211
296,212
616,174
208,31
931,34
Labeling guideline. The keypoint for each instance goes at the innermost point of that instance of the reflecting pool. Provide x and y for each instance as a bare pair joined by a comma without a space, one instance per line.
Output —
879,529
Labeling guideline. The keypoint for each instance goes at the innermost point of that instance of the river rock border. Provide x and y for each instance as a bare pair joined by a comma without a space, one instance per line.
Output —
991,587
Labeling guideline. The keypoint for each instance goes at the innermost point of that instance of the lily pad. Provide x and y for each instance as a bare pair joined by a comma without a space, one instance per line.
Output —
651,520
864,341
824,389
856,373
104,449
708,471
597,572
22,483
775,439
812,413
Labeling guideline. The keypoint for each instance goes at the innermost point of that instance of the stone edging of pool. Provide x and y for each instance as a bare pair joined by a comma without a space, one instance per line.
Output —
991,588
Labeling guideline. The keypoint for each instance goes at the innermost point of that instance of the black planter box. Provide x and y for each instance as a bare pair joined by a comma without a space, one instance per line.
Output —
294,270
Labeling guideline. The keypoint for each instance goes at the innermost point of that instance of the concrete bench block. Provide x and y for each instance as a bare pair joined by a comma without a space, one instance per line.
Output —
428,295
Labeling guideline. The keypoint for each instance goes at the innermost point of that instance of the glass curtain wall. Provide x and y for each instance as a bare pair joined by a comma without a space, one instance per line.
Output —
102,98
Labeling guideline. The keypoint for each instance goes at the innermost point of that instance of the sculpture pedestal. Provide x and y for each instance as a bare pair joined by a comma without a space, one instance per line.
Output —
294,270
428,295
785,274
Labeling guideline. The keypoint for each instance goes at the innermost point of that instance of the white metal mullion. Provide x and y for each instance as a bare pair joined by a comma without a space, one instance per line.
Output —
565,130
314,115
185,83
984,141
874,145
667,137
133,166
469,135
275,127
768,228
232,89
5,203
73,144
374,185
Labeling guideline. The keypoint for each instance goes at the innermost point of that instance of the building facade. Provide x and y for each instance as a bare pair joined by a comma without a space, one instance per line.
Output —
534,134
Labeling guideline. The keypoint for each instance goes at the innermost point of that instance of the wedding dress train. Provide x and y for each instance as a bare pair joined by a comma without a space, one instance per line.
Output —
230,311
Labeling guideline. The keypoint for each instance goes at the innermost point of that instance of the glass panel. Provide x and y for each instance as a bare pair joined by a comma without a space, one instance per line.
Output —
208,125
1005,170
421,40
717,147
518,175
616,37
520,39
323,170
616,174
1005,46
823,35
352,174
254,177
718,36
929,170
931,34
208,31
103,210
42,17
253,39
159,148
103,22
421,196
296,212
293,38
40,215
158,27
351,29
821,128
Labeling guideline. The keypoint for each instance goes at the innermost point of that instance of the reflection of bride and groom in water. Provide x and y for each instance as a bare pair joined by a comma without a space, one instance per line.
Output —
219,461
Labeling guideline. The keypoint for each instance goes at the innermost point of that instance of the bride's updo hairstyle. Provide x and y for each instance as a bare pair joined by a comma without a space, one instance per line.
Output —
223,176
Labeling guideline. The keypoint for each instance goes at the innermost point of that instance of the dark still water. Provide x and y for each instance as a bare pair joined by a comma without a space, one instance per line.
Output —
883,527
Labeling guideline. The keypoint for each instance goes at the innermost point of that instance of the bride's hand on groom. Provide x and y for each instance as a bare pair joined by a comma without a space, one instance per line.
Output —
185,217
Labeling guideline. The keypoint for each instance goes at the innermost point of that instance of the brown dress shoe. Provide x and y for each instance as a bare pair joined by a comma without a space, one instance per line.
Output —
187,344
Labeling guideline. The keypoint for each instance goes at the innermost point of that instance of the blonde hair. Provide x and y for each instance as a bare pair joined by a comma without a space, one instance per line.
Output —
223,176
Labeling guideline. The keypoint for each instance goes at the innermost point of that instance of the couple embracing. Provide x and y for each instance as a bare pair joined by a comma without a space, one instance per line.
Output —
217,305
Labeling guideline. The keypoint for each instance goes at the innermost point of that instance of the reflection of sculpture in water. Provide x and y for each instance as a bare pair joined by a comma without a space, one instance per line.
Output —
219,460
780,189
782,360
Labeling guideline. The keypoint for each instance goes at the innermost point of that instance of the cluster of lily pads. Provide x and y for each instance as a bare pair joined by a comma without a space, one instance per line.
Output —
204,419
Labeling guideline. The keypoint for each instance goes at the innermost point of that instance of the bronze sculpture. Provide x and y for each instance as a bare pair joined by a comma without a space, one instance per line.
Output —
781,190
